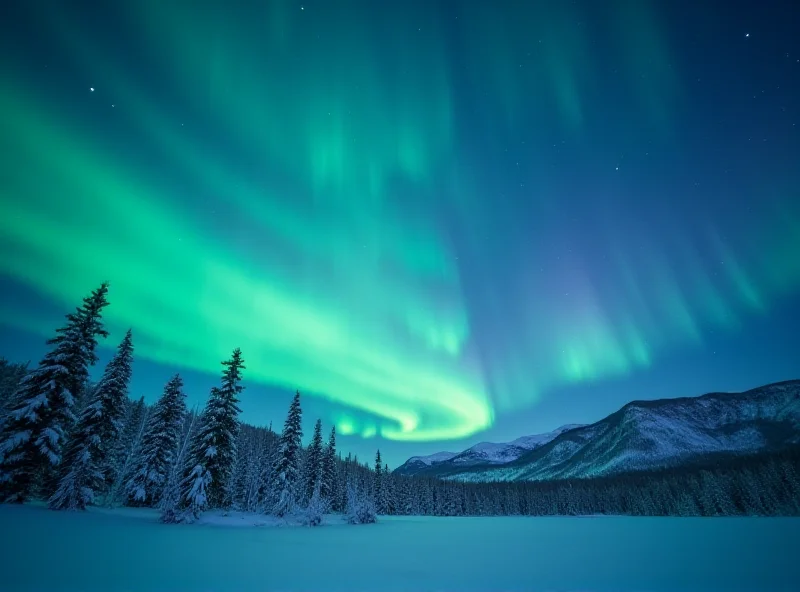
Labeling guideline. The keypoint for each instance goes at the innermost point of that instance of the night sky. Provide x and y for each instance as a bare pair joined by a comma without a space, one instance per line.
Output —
443,222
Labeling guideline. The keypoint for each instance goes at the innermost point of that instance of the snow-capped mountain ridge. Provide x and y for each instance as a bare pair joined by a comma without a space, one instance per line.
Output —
642,435
432,458
483,452
531,442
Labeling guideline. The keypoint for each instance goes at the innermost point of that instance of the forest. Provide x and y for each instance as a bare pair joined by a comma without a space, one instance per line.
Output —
72,442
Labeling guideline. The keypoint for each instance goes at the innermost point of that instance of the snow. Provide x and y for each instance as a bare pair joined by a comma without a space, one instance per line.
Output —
129,550
50,436
645,436
29,411
492,452
16,440
432,458
531,442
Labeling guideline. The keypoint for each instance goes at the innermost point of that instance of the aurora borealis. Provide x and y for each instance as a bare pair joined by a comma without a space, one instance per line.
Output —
428,216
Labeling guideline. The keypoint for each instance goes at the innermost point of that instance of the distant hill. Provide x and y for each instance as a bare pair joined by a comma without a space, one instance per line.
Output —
641,436
484,453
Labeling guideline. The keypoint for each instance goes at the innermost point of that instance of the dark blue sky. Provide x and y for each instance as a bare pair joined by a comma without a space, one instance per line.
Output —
443,222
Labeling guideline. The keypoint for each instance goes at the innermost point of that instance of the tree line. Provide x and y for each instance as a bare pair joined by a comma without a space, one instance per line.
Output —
75,443
765,484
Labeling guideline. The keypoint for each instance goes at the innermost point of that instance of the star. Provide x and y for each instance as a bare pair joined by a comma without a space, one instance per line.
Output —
747,34
91,89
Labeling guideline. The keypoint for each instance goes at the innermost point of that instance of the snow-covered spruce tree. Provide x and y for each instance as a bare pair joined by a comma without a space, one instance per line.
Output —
79,475
285,471
81,471
389,491
360,506
34,431
250,479
159,446
316,509
342,478
170,499
266,496
329,472
113,396
245,459
426,499
213,450
11,376
405,497
82,399
312,472
122,458
378,486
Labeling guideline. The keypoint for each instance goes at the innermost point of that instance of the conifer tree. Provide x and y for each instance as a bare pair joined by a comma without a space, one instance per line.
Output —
264,495
242,470
113,395
79,475
316,509
159,446
81,472
329,474
405,497
285,470
123,457
313,463
84,397
213,449
34,432
377,488
253,468
360,506
389,491
10,377
170,500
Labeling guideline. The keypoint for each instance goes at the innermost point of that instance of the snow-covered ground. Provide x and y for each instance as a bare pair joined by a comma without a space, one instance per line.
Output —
128,550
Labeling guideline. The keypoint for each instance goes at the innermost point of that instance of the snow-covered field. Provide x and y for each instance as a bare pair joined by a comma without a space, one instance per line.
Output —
128,550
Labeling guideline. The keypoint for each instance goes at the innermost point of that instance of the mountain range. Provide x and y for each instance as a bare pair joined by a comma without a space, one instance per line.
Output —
641,436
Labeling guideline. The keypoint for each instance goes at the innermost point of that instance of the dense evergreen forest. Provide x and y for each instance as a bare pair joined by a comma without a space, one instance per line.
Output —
76,443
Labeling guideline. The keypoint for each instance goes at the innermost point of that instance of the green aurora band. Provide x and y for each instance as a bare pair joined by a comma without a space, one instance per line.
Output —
347,290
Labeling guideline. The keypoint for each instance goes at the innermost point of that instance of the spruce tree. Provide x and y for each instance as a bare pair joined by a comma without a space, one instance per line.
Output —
113,396
81,472
10,377
123,457
314,512
360,506
329,476
79,475
389,491
83,399
313,463
265,495
34,432
285,470
213,450
170,499
405,497
378,483
159,446
242,469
